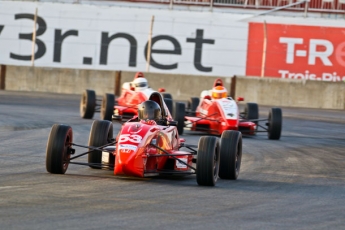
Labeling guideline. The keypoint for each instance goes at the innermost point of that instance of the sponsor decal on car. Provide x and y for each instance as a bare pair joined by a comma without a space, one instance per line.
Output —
180,165
126,148
229,108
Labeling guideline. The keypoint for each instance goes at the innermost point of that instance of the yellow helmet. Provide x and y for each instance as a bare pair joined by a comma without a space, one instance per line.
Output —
219,92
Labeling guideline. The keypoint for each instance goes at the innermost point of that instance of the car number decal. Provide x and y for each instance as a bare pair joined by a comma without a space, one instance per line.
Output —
134,138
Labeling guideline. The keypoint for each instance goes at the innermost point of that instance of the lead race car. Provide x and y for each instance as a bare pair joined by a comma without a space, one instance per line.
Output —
216,113
132,94
146,146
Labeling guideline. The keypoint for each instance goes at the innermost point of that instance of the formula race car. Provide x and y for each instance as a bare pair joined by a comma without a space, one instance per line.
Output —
133,93
146,147
216,112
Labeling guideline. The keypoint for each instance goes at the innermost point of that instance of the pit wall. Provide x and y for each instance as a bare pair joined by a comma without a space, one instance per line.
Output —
264,91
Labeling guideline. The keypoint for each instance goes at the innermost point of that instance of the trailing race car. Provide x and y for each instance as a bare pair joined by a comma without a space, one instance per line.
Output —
216,113
133,93
147,145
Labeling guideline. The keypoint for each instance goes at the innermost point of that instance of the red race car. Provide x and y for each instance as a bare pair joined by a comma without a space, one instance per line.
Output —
216,113
147,145
133,93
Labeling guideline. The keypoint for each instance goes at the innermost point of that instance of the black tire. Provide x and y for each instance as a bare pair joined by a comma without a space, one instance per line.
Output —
193,103
58,149
251,111
107,107
167,95
178,116
275,120
87,104
230,154
101,134
169,104
207,164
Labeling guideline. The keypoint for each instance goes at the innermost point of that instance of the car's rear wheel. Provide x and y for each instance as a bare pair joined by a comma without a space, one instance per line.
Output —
107,107
251,111
167,95
230,154
275,121
101,134
193,103
179,113
169,104
207,164
87,104
58,149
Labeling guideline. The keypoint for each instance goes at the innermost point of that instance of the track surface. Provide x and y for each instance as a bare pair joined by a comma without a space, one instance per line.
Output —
297,182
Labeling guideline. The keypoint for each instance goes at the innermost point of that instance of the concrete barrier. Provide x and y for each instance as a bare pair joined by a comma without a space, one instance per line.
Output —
292,93
264,91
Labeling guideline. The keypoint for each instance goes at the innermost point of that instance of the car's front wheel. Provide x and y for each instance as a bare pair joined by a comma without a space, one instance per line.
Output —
59,148
107,107
230,154
207,163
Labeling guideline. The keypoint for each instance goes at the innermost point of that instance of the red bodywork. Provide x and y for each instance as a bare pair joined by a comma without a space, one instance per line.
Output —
214,116
144,147
127,104
135,156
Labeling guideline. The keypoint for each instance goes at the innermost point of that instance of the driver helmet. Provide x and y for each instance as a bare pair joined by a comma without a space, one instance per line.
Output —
149,110
140,84
219,92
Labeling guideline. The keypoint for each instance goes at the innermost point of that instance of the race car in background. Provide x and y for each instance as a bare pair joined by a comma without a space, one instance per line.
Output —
147,147
132,94
214,112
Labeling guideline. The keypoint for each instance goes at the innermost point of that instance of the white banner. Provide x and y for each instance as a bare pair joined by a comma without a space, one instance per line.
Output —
115,38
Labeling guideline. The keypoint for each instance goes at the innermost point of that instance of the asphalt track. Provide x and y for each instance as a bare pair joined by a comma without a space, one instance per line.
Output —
297,182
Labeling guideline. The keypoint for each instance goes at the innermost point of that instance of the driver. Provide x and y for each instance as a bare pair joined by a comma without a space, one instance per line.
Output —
149,112
219,92
140,83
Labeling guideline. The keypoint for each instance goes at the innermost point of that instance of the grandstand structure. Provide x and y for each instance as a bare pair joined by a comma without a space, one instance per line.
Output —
334,9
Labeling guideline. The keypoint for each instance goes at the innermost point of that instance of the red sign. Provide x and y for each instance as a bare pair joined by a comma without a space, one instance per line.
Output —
296,52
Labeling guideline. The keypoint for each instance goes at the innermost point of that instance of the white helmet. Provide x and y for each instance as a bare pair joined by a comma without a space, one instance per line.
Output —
140,84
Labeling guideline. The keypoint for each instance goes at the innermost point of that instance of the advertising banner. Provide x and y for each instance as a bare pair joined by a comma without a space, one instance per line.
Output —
296,52
116,38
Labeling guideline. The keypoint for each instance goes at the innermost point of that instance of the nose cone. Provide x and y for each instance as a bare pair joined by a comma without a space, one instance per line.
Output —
129,163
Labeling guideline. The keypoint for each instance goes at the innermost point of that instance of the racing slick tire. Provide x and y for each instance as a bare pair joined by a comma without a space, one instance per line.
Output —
251,111
88,104
274,124
58,149
101,134
207,164
230,154
107,107
167,95
169,104
178,116
193,103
